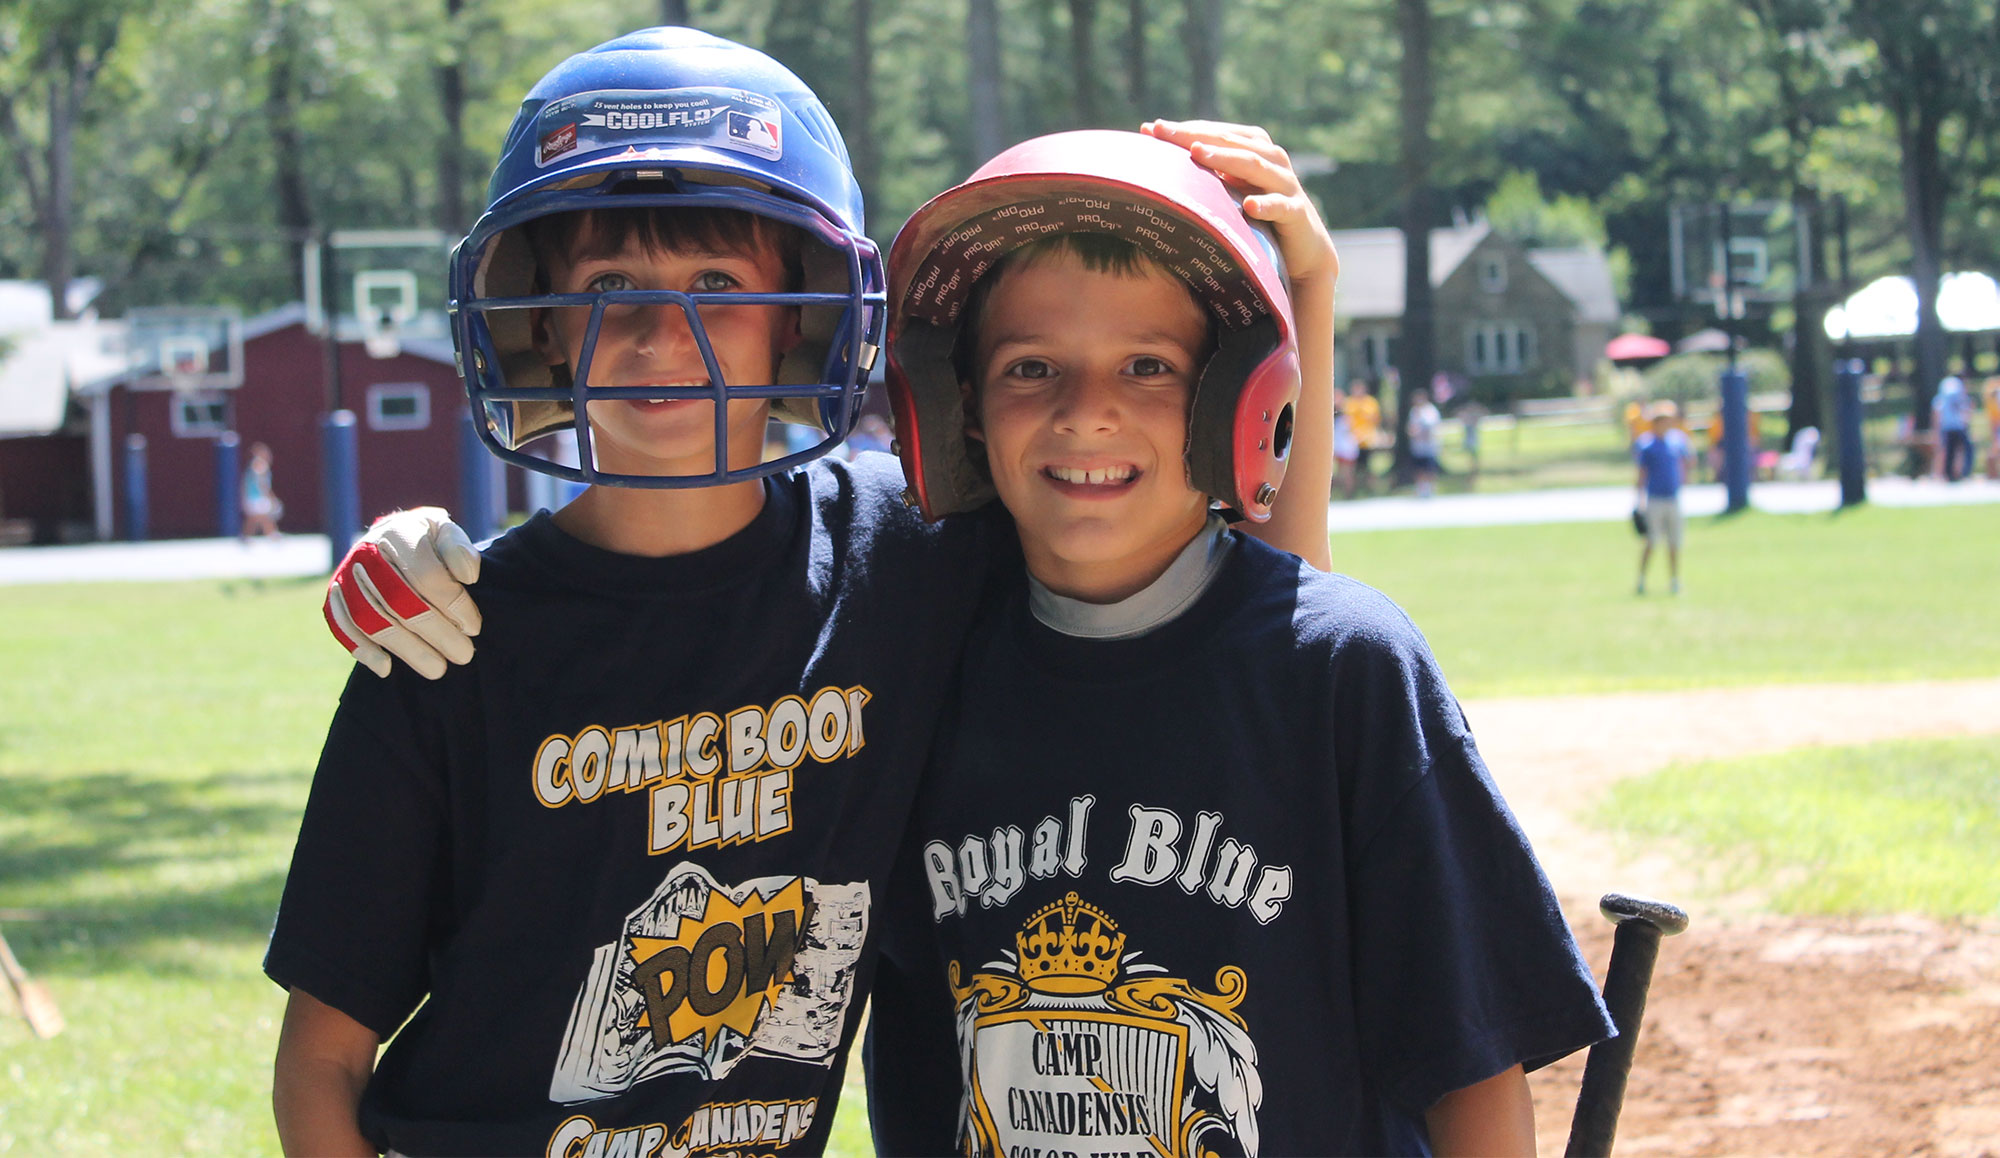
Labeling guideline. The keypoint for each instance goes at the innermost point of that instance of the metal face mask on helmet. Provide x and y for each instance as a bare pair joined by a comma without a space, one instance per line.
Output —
1126,185
665,119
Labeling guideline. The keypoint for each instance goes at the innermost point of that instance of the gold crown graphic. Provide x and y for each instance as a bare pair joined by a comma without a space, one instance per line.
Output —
1069,947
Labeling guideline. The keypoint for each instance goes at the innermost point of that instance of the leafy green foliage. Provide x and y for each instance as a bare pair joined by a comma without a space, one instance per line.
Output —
1686,376
1519,212
1609,111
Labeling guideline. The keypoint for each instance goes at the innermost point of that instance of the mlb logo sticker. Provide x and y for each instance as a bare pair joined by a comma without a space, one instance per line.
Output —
756,134
557,143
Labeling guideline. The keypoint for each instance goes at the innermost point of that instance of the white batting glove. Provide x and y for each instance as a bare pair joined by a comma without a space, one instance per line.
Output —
401,591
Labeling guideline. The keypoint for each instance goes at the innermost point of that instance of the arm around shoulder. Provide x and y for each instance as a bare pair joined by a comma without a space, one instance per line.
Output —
324,1060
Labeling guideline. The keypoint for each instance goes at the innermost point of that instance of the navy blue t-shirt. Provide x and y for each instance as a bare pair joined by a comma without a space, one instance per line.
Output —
1239,885
624,867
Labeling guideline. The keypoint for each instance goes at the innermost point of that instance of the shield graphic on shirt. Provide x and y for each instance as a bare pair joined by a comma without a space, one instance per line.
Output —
1071,1045
1079,1080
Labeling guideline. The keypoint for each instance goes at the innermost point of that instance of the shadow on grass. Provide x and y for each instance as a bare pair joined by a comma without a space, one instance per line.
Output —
118,862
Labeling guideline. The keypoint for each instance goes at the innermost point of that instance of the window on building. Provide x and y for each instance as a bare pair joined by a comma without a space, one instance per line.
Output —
1499,348
399,406
199,414
1493,274
1378,353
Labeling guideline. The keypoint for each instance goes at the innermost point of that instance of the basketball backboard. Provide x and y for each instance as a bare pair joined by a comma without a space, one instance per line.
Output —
1746,251
381,287
185,348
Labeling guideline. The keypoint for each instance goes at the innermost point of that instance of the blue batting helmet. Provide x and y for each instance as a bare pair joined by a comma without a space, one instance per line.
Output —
666,118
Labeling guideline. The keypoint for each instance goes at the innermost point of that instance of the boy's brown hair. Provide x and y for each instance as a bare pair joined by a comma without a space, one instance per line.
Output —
607,231
1097,252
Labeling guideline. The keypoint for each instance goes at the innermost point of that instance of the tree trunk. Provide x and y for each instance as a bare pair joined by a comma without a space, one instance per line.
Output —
1135,58
860,136
1417,355
1083,59
1923,197
676,12
1203,37
982,51
451,150
1811,352
58,253
288,145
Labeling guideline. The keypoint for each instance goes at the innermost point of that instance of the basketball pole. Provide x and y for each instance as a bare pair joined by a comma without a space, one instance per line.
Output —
340,487
1847,387
1736,450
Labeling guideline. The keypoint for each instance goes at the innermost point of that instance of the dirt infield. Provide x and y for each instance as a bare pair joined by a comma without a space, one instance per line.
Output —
1764,1035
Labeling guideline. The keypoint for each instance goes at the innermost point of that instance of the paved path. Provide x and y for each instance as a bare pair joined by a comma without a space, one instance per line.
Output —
283,557
295,555
1613,504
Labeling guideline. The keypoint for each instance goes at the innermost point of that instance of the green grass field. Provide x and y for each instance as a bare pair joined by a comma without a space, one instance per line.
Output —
1901,827
156,742
1874,594
155,747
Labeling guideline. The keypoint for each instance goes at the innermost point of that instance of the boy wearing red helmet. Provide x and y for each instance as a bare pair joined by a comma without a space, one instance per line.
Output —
1205,860
611,887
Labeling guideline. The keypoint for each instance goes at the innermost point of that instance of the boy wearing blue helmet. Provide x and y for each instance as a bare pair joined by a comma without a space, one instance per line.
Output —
609,887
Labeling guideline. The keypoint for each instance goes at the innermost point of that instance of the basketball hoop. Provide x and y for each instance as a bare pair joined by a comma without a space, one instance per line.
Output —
384,338
389,299
183,362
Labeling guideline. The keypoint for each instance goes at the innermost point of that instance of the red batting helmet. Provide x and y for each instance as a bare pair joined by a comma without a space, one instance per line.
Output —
1126,185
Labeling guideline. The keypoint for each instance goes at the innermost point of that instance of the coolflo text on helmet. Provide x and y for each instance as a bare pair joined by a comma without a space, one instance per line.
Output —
1125,185
667,118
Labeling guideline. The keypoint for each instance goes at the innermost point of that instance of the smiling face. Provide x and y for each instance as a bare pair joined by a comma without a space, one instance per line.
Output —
652,345
1083,382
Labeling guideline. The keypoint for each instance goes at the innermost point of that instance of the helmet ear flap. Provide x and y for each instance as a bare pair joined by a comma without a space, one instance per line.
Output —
1240,420
939,463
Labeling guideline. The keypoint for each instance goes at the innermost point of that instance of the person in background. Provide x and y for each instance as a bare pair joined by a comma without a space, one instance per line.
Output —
1422,427
1346,448
261,508
1952,408
1364,415
1662,455
1469,417
1993,428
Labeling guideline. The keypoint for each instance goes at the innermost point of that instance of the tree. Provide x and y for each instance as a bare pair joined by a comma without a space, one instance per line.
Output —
1083,59
1934,71
1136,90
983,80
451,142
1416,359
1202,35
63,47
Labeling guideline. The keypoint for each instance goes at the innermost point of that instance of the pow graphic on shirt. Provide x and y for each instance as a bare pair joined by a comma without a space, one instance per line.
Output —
707,974
1070,1044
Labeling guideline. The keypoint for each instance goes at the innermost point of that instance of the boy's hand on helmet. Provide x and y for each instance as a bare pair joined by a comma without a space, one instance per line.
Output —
401,591
1260,171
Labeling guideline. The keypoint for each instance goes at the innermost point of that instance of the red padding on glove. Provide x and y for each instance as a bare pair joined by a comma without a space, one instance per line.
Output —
389,582
333,625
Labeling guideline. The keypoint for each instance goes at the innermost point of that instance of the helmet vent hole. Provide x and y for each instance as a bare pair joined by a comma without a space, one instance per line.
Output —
1281,435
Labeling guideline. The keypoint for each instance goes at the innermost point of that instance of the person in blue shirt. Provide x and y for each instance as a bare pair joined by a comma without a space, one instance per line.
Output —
1663,455
1953,408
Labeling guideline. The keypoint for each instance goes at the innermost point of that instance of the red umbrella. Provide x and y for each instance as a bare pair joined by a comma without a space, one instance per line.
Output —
1636,348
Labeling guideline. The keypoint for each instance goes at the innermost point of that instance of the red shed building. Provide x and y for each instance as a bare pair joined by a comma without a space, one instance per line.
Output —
409,409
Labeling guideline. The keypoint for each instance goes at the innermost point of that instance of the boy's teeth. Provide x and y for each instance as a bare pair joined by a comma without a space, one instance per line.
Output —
1098,477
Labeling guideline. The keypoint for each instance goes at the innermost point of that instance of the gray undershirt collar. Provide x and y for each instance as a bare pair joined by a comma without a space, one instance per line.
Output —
1158,603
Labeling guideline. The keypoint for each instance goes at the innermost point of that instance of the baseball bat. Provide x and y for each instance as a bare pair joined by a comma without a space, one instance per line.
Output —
44,1019
1640,924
